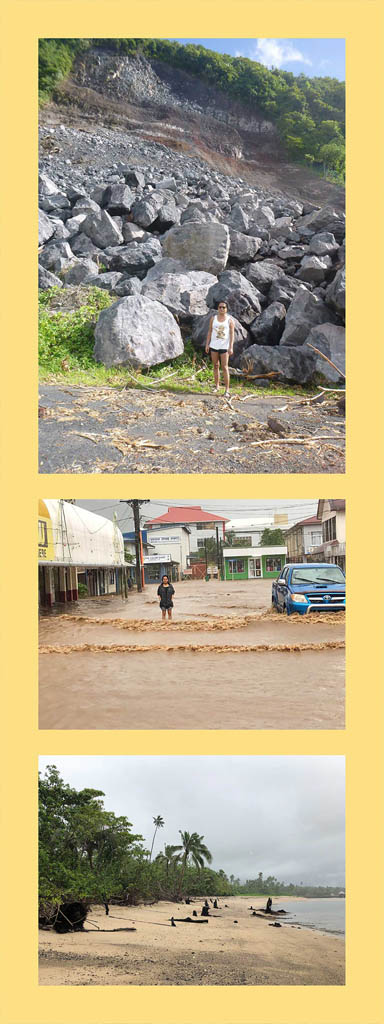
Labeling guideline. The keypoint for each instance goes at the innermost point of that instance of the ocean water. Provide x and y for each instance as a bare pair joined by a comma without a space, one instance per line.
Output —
327,915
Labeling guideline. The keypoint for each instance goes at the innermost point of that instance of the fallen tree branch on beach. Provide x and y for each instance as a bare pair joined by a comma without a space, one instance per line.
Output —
189,648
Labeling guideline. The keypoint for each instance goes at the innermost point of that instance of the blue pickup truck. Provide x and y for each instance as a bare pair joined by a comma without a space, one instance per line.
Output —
309,587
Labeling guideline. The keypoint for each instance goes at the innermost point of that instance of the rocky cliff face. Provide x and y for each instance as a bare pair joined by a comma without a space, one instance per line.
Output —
169,234
177,109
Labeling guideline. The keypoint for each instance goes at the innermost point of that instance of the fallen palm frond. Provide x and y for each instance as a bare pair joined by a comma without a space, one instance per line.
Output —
216,622
189,648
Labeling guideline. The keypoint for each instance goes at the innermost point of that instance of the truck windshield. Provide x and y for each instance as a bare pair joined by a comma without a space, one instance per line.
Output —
318,574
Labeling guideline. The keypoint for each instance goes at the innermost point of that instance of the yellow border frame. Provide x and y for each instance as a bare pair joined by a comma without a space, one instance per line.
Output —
360,1001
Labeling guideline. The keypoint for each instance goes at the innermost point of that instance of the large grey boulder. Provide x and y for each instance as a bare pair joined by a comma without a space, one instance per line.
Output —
238,219
262,273
47,280
283,289
56,203
242,247
73,224
293,252
242,298
200,326
168,215
306,311
85,205
165,266
293,365
326,219
128,286
133,233
47,187
118,199
185,295
46,228
144,211
282,228
79,272
132,176
101,229
199,246
323,244
136,331
264,219
330,339
81,245
268,327
167,183
107,281
56,256
135,258
335,294
314,268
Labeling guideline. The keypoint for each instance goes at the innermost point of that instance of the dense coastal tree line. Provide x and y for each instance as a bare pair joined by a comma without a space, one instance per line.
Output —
88,853
309,113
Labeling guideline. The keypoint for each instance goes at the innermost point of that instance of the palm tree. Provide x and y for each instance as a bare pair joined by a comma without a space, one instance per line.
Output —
193,849
158,823
167,858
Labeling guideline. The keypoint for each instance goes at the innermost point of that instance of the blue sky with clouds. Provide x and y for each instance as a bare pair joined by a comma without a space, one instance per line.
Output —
313,57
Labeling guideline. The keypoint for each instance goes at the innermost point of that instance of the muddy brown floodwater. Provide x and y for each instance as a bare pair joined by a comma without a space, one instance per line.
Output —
213,687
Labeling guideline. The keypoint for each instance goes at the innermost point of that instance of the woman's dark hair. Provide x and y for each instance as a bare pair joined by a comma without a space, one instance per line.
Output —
222,303
165,577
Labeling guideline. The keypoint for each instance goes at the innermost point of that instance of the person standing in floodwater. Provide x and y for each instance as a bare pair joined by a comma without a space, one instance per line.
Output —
219,343
165,592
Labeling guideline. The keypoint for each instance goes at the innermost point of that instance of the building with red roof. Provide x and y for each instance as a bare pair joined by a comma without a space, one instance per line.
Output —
202,524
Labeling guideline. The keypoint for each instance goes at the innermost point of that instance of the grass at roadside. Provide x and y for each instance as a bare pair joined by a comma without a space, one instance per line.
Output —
66,339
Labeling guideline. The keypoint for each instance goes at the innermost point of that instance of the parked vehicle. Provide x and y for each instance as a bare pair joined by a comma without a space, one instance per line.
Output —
309,587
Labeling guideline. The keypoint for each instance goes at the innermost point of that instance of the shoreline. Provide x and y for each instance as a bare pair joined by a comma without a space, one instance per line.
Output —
232,948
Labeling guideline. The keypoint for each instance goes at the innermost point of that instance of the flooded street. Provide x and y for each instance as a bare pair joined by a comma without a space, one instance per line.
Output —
204,670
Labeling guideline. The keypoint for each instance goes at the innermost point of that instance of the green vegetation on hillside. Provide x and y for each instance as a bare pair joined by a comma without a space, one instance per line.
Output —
309,113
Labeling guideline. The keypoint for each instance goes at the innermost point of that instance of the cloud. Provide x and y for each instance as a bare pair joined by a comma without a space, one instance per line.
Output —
276,52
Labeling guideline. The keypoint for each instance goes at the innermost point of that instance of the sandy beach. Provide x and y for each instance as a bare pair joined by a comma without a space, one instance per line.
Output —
221,952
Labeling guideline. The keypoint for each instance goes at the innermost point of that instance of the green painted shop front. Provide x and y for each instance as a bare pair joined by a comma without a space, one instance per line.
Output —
260,567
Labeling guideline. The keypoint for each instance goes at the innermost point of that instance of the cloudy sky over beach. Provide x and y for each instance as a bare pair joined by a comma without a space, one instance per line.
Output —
283,816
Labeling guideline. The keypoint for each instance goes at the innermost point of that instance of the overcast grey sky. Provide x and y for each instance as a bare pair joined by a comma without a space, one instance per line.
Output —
280,815
296,508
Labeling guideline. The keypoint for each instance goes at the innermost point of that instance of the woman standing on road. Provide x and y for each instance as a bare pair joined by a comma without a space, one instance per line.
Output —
219,342
165,592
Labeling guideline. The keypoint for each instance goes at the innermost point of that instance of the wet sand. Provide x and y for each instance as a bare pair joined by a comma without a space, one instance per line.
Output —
221,952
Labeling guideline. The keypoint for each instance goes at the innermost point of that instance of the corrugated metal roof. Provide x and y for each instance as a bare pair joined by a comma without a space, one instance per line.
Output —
187,514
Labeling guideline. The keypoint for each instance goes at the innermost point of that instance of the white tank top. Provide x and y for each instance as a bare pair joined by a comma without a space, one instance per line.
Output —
220,334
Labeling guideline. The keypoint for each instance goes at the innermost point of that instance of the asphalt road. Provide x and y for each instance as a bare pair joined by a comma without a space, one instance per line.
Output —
102,430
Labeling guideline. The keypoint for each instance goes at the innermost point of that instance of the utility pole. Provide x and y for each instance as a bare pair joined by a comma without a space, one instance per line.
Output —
135,504
218,552
206,558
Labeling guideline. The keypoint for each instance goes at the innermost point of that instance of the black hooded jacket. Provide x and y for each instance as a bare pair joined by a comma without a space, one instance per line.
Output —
165,594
